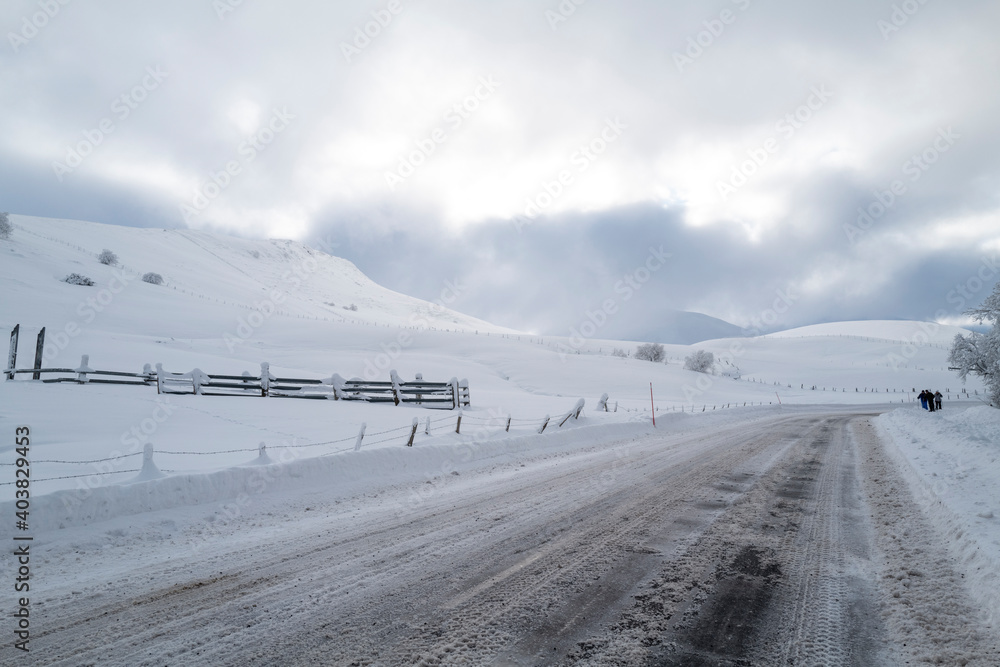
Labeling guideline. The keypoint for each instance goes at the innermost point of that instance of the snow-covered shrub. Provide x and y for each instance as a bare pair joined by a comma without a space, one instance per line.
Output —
650,352
700,362
152,278
618,352
77,279
107,257
979,354
5,227
351,307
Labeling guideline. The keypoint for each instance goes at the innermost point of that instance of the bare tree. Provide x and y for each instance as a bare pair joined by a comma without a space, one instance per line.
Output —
107,257
650,352
701,361
979,354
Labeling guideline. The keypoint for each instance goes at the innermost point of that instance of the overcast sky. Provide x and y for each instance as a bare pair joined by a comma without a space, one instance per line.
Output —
538,157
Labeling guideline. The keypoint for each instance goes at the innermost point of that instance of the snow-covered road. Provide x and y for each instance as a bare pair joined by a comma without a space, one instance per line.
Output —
792,539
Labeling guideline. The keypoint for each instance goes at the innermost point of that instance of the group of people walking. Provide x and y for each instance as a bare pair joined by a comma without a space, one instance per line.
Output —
930,400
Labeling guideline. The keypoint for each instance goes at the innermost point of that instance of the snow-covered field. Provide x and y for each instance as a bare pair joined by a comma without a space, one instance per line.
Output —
229,304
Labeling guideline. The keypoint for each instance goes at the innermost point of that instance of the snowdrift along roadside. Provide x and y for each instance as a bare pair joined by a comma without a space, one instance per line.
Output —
951,460
349,472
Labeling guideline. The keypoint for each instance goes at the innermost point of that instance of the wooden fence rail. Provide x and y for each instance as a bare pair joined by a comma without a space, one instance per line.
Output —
450,395
443,395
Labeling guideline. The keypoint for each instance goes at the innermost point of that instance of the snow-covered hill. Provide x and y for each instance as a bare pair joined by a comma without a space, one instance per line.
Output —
229,304
210,281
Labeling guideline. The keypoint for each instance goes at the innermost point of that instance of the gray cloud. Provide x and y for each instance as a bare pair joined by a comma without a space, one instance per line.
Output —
688,124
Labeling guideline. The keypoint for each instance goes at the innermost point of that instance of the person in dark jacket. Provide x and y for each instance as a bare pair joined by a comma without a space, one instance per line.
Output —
937,399
923,399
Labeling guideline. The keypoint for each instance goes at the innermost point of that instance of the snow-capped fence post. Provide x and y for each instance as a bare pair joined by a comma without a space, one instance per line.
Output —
159,378
427,429
544,424
262,451
149,469
147,371
361,436
579,408
39,348
83,369
602,404
458,424
413,431
12,353
198,378
265,379
397,390
337,383
463,392
456,398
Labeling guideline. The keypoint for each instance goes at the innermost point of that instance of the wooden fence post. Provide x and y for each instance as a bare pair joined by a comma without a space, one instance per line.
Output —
197,379
159,378
397,390
603,403
265,379
458,425
12,354
83,369
427,429
39,349
508,423
544,424
455,395
413,433
361,436
149,469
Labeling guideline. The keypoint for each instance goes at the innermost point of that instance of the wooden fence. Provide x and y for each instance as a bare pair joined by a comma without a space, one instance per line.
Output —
442,395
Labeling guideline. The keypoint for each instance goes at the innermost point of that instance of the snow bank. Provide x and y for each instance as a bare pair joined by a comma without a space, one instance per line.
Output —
350,472
952,462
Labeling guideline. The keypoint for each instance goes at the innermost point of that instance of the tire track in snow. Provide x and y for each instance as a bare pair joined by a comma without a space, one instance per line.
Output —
369,588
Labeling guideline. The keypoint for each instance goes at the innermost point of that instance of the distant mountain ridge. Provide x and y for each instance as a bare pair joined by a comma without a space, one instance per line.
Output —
678,327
